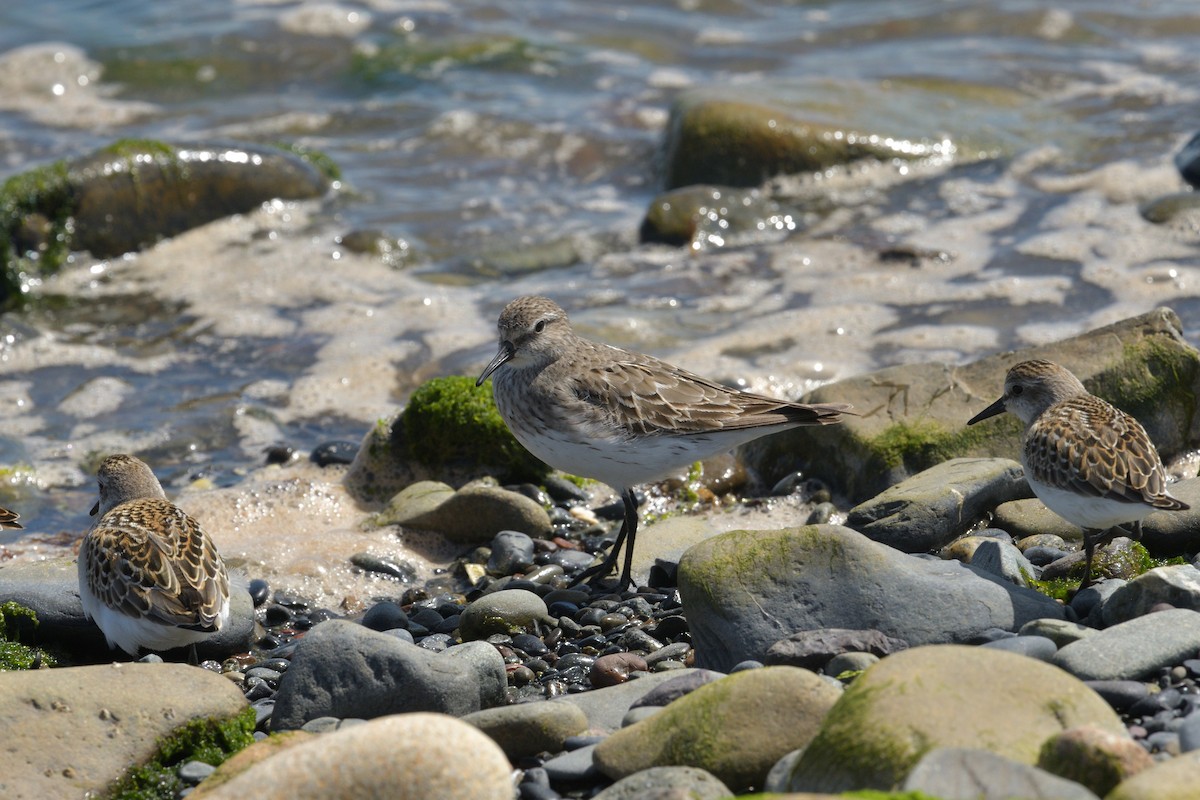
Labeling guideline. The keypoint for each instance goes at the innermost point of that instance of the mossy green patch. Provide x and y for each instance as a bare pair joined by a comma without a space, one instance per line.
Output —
13,654
320,160
1154,372
920,444
451,421
35,227
208,740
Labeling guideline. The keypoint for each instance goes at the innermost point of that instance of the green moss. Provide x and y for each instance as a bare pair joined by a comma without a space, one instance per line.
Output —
921,444
125,148
451,421
319,160
13,654
1154,372
208,740
844,739
35,227
748,557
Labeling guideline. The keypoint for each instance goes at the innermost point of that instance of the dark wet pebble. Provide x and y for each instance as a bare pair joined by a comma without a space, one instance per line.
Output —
427,618
563,490
260,591
334,452
1187,161
615,668
616,509
530,644
280,454
512,551
1040,555
385,616
276,615
383,565
262,712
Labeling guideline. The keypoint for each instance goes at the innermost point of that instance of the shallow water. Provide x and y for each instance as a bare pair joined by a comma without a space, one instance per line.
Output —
512,149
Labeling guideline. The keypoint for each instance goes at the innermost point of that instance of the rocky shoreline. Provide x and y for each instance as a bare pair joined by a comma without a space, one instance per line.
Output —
918,647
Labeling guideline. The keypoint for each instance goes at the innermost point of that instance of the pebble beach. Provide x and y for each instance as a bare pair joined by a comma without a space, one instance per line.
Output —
244,241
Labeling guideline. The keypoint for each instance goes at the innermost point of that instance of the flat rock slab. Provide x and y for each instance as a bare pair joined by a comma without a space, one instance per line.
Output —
937,505
75,730
1134,650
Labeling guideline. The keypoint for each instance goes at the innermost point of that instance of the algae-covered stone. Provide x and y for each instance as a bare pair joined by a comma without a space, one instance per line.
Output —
450,430
1173,779
472,515
1099,759
453,761
828,576
736,142
133,193
527,729
736,728
943,696
505,611
914,416
82,729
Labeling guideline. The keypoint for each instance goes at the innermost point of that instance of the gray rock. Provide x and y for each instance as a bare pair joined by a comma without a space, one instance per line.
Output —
1038,647
827,576
81,727
1030,517
850,662
606,708
671,690
342,669
575,766
1171,533
958,773
1059,631
933,507
1189,733
1177,585
780,774
504,611
527,729
1005,560
438,757
51,589
812,649
1135,649
662,783
472,515
511,551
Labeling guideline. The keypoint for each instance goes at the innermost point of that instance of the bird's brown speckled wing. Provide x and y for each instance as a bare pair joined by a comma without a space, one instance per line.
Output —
8,519
651,396
150,559
1087,446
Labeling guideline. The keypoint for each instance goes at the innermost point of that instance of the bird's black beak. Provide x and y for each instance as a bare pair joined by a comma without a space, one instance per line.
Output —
994,409
95,509
507,351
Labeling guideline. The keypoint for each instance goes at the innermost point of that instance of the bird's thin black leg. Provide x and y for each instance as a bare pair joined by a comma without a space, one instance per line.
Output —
631,522
1089,547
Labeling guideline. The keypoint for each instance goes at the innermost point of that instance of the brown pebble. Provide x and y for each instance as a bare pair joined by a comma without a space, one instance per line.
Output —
614,668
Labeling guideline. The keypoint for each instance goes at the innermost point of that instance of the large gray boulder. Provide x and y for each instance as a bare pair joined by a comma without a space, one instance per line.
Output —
745,590
341,669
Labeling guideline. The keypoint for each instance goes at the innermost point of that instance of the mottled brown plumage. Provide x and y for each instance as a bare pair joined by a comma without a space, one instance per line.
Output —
8,519
1089,462
148,573
622,418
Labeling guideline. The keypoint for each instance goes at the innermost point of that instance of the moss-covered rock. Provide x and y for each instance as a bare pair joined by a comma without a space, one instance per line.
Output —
13,654
735,728
449,431
135,192
735,142
943,696
914,416
1098,759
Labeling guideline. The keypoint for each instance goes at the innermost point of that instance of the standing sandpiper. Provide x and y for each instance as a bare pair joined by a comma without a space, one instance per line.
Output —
8,519
1090,463
148,573
622,418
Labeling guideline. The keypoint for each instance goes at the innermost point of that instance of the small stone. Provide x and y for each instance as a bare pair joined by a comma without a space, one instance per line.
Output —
385,616
335,452
613,669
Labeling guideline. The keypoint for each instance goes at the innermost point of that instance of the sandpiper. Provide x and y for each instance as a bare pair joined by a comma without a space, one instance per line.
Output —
148,573
622,418
1089,462
8,519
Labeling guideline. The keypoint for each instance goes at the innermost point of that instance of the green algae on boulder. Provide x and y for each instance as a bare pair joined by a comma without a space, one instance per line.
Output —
450,430
135,192
735,728
13,654
734,142
943,696
914,416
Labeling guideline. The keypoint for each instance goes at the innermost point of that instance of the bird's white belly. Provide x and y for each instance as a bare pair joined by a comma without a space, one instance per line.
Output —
1095,513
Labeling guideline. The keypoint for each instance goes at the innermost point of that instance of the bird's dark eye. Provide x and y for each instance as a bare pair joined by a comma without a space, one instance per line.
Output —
1016,390
541,326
